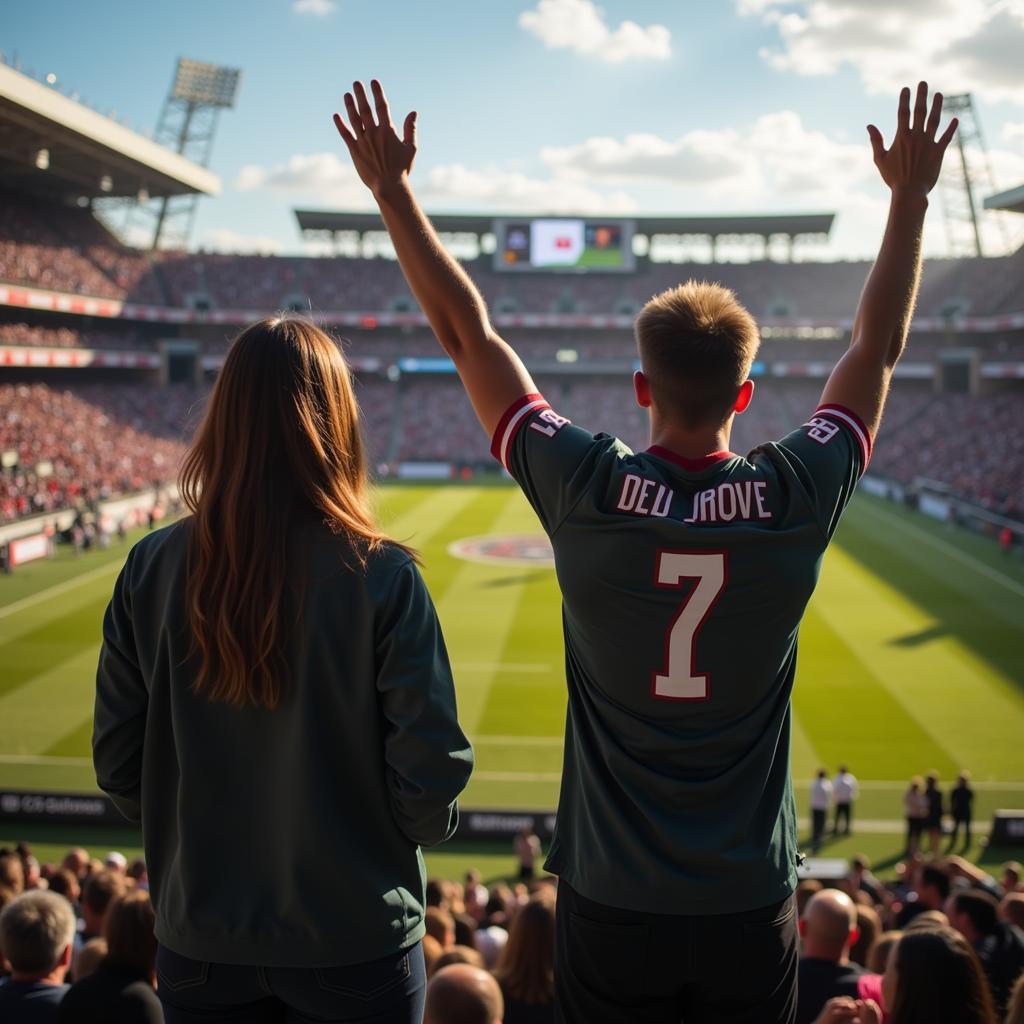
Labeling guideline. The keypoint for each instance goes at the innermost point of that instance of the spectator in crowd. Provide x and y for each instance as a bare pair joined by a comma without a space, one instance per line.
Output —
99,891
844,792
527,851
915,808
65,883
961,807
87,958
208,665
121,988
933,815
37,934
441,925
933,977
879,956
475,895
12,873
869,927
459,955
821,798
1011,909
927,919
77,862
432,952
1011,880
999,945
463,994
861,879
805,890
930,891
525,971
828,929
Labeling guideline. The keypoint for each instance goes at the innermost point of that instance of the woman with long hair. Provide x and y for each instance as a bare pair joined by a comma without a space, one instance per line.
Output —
121,987
933,976
275,704
526,969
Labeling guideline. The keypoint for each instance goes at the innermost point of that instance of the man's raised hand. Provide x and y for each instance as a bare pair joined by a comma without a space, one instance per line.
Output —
381,158
913,161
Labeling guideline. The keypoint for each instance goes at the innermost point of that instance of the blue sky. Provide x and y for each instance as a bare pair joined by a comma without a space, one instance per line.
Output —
549,105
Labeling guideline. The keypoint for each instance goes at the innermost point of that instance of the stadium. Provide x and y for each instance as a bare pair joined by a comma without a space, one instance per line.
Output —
910,651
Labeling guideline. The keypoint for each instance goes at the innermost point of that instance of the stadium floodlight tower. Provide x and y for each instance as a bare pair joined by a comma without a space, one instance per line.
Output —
962,176
187,125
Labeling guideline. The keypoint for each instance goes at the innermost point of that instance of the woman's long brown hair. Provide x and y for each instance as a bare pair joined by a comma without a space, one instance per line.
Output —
280,439
525,969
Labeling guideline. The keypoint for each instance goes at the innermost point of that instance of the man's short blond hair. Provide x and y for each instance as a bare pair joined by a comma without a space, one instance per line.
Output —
697,344
35,930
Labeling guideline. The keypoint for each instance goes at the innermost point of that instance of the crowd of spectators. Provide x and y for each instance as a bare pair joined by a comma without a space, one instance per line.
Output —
36,336
972,447
943,938
91,442
75,447
62,248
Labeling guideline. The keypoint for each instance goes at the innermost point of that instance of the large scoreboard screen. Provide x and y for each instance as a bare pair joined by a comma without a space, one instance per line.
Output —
567,244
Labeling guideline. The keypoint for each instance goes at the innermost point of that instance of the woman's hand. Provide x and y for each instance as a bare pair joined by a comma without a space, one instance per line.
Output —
844,1010
382,159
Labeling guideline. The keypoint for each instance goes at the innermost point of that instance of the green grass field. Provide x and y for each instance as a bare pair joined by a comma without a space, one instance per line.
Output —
911,659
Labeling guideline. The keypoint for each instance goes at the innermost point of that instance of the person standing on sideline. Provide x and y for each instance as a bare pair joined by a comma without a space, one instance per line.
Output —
961,807
915,809
527,851
274,702
844,792
933,811
676,827
821,799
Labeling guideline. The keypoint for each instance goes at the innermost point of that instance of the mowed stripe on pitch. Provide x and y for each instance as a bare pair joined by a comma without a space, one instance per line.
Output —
478,606
964,703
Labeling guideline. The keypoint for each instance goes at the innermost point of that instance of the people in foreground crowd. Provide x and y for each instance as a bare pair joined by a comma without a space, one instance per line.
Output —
121,988
525,970
934,977
271,655
828,930
463,994
999,945
37,935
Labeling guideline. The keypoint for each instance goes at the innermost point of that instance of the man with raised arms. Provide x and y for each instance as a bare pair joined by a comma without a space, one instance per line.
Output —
684,572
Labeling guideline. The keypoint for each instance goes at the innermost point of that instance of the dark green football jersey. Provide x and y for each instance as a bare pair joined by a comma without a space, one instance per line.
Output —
683,584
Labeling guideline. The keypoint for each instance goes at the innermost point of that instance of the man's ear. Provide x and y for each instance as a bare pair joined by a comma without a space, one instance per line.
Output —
854,936
65,957
642,388
744,397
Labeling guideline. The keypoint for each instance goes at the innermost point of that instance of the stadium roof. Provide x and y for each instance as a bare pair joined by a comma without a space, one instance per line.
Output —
478,223
1012,200
84,149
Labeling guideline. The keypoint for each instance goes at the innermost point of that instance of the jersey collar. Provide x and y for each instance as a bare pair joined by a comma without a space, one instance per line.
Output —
693,465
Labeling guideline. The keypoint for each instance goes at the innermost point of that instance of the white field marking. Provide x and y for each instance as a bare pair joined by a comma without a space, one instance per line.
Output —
42,759
953,551
522,741
60,588
486,776
501,666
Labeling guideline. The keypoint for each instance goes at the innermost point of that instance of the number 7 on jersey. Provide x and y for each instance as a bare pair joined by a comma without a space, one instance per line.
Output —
680,680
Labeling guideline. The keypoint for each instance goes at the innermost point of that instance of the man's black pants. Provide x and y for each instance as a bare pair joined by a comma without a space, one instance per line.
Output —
842,813
625,967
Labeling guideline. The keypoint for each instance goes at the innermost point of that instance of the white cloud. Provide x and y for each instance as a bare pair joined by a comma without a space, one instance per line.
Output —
579,25
959,45
774,158
317,8
1012,131
226,240
330,180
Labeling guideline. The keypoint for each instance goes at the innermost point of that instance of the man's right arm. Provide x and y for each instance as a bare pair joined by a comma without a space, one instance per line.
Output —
910,167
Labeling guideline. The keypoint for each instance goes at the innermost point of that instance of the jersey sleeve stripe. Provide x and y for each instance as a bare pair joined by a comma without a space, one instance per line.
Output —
509,424
856,425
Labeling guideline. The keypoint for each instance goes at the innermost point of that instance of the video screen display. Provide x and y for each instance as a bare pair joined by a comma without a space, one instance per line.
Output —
564,244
